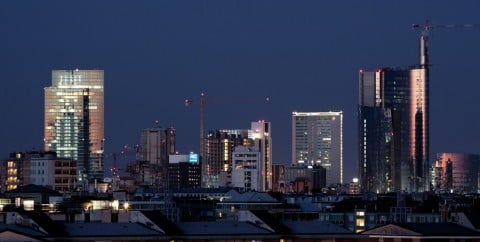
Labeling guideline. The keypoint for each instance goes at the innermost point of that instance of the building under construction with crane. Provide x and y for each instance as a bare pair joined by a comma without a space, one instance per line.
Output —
216,149
393,126
393,123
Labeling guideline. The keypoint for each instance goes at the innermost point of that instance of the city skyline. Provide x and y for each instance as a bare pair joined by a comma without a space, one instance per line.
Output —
304,56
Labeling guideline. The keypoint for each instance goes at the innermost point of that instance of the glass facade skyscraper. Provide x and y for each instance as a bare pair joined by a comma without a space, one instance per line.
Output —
317,139
393,129
74,120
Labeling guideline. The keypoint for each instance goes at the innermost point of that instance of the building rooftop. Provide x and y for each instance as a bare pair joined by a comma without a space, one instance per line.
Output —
250,197
315,227
221,228
423,229
18,229
108,229
31,188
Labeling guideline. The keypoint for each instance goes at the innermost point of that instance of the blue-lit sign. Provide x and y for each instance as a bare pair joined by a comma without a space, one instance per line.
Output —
192,158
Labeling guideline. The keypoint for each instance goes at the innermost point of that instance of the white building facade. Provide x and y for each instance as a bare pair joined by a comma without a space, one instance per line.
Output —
246,169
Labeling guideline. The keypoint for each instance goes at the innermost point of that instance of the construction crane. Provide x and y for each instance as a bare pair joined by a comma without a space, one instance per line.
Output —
424,37
425,61
201,102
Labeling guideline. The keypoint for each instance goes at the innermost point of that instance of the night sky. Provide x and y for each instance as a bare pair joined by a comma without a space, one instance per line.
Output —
304,55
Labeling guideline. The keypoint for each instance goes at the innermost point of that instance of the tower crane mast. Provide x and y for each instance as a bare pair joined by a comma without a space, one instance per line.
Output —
420,162
201,102
425,34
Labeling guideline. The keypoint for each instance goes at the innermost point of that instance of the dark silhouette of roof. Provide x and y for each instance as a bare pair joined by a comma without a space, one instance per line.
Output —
427,229
474,217
97,230
316,227
271,221
22,230
212,229
32,188
439,229
163,222
44,221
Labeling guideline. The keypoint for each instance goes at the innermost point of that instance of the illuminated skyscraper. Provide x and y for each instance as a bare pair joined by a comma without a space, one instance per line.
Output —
317,139
393,126
74,128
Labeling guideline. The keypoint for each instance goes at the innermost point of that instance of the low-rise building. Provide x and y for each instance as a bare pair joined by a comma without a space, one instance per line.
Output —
39,168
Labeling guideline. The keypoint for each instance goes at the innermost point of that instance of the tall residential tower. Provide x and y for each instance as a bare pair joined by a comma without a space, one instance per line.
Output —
74,127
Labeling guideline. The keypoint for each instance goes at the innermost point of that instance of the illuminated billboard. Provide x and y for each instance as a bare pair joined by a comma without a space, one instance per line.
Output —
192,158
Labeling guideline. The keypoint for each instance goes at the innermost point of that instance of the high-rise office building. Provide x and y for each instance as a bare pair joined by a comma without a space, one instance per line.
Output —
393,127
317,139
457,173
393,130
74,120
156,145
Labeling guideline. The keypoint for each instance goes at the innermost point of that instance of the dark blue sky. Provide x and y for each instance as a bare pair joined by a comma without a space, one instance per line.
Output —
305,55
